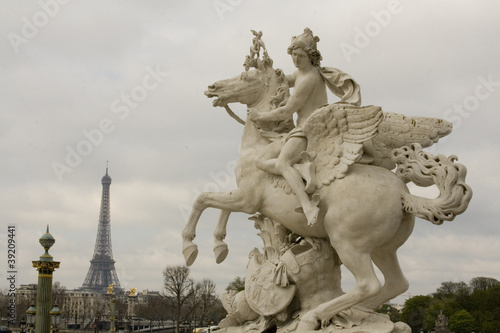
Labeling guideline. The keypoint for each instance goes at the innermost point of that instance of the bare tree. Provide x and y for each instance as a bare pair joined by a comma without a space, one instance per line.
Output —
192,303
178,290
238,284
58,294
22,304
4,304
85,310
98,311
121,312
152,310
207,299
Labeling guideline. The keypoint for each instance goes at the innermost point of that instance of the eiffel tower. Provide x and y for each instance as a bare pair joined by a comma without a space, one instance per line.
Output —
102,271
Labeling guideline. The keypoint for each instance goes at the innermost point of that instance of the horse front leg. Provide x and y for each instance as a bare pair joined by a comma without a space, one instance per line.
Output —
190,249
220,247
233,201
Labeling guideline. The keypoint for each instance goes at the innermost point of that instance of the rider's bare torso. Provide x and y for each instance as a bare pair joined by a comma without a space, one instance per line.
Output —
309,87
317,97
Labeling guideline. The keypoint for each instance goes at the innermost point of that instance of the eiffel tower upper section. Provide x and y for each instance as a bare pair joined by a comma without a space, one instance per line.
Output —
102,271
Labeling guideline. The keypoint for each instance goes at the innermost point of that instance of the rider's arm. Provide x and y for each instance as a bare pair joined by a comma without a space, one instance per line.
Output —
301,93
291,80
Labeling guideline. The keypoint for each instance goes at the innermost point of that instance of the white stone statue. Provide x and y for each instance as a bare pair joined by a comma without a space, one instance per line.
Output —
328,178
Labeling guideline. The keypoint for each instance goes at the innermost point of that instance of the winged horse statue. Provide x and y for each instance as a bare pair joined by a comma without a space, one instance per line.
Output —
366,210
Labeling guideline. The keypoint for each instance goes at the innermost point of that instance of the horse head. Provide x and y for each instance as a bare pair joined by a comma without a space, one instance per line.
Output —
262,86
259,86
247,88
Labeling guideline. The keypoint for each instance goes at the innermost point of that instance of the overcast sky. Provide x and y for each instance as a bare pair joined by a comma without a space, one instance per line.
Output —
85,82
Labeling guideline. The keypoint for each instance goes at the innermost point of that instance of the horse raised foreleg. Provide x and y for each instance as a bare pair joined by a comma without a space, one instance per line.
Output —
367,285
220,248
189,249
233,201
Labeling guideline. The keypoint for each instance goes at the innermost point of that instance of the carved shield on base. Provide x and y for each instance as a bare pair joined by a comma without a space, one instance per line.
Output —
263,295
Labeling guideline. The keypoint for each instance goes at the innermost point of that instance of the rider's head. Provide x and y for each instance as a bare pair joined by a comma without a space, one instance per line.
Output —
307,42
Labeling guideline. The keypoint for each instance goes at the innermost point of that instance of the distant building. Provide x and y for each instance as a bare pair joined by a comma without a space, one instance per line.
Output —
81,308
144,296
26,292
84,309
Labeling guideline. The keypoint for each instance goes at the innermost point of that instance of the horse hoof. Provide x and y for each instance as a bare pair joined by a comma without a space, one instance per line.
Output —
308,323
221,251
190,253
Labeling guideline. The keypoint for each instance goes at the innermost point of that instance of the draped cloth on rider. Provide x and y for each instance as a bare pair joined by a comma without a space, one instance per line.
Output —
342,85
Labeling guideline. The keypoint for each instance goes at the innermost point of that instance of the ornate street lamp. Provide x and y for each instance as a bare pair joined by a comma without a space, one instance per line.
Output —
55,317
45,266
30,316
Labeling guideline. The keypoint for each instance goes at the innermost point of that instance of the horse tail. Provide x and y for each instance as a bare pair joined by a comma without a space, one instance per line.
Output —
424,169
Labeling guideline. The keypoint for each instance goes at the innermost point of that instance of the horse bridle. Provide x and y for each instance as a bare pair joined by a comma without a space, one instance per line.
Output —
233,115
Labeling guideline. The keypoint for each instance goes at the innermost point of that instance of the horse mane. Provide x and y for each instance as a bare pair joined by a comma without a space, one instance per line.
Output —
280,99
283,91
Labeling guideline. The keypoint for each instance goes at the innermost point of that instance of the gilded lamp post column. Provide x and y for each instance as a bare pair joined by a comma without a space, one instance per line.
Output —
45,267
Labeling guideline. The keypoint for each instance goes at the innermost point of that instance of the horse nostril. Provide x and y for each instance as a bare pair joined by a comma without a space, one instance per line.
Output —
211,87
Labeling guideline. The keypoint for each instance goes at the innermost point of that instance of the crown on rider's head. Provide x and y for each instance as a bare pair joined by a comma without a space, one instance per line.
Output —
307,41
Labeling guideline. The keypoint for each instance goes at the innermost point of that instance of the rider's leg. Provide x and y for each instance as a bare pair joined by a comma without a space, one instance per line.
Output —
266,159
290,154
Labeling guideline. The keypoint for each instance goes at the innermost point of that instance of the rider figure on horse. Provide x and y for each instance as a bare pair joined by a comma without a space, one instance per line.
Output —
309,82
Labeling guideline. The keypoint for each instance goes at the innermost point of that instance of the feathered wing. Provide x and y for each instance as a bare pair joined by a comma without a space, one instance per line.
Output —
335,134
397,130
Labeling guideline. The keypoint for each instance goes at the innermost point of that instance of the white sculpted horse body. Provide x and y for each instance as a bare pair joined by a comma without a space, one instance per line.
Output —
367,214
